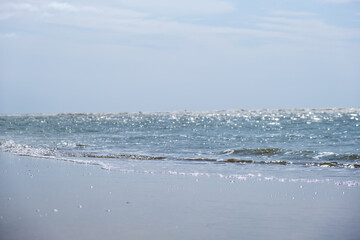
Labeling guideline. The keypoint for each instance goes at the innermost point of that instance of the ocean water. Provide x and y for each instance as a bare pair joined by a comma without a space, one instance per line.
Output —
287,145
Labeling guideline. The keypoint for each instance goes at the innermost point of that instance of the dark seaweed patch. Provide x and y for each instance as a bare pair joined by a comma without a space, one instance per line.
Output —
201,159
275,162
232,160
255,151
330,164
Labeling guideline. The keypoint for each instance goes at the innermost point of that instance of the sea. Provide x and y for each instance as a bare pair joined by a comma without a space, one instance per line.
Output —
284,145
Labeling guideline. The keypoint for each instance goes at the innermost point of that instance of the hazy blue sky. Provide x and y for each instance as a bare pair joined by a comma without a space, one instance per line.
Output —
164,55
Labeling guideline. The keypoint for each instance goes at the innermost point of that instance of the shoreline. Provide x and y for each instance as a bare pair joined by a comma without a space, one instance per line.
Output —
52,199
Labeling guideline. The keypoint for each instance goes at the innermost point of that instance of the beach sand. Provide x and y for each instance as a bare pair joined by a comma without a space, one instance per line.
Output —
54,199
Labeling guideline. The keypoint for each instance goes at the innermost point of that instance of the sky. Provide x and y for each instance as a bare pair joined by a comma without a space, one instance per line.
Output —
167,55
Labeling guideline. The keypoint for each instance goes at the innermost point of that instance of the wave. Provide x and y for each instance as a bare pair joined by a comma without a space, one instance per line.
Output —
337,157
25,150
300,154
347,156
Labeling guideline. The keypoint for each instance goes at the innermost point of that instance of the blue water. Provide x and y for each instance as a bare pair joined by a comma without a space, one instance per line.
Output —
311,145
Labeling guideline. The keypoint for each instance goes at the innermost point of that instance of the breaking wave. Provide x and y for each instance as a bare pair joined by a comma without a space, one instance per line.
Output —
25,150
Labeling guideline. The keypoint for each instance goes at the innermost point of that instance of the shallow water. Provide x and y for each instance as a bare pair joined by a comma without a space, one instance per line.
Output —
298,145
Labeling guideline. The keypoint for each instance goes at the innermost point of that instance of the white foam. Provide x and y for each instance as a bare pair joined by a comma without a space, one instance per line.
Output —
323,154
18,149
348,183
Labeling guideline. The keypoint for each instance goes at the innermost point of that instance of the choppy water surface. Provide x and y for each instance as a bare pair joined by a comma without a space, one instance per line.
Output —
317,145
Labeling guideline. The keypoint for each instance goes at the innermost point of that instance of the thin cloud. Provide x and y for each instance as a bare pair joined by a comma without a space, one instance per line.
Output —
162,7
42,8
291,13
23,7
8,35
280,25
183,7
309,28
61,6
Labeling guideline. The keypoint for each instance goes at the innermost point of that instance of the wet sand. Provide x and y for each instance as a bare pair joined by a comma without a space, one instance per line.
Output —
53,199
